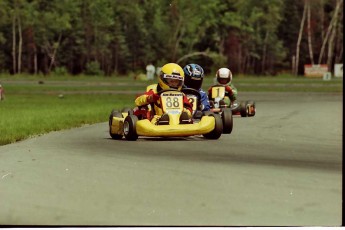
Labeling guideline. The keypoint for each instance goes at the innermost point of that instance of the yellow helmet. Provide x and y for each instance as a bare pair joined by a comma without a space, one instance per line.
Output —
171,76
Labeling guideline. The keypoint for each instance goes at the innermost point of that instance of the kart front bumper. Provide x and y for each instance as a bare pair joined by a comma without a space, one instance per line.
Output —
146,128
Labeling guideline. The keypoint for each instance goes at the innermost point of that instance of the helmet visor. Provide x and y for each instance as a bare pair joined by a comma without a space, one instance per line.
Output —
223,81
173,81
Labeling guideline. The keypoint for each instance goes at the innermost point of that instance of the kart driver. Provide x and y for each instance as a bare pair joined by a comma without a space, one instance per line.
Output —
193,77
171,77
224,77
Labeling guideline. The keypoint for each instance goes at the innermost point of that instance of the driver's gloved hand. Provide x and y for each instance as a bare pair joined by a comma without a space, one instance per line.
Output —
222,104
211,104
152,98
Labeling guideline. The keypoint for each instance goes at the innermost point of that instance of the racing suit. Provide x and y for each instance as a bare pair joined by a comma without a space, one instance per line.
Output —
230,93
151,97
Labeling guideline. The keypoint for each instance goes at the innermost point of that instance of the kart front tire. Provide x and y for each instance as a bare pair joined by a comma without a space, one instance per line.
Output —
218,128
227,120
243,109
129,128
114,113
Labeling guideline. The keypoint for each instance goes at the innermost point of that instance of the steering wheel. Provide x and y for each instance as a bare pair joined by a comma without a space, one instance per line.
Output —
166,90
192,91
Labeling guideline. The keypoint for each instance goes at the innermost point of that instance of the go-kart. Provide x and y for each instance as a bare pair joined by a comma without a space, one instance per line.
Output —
194,98
218,102
142,122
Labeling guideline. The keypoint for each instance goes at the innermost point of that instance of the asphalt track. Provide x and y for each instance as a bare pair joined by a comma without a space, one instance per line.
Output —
282,167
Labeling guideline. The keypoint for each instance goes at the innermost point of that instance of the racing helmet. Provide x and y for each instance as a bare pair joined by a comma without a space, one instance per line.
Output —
224,76
171,76
194,75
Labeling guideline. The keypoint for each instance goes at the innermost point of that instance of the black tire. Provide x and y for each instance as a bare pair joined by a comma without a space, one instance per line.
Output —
218,128
227,120
243,109
250,103
127,110
114,113
129,128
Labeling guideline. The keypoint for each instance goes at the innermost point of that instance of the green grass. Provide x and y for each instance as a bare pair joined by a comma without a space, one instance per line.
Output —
32,105
22,116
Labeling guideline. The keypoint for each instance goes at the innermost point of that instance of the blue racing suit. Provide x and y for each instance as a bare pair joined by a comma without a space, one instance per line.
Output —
204,101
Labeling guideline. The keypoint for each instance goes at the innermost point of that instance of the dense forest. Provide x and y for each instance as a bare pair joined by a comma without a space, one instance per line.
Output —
121,36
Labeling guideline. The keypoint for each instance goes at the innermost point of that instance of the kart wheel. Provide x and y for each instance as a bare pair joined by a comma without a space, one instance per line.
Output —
129,128
218,128
227,120
243,109
250,107
114,113
127,110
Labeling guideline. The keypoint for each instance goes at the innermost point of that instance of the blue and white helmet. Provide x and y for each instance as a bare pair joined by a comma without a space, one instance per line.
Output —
193,76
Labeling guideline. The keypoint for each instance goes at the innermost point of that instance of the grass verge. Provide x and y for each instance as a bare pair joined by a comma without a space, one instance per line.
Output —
23,116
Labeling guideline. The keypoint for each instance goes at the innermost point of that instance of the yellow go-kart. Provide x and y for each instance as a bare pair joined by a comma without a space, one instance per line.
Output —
142,122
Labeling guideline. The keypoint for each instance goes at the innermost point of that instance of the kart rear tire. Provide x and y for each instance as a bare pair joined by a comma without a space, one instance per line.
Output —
250,103
243,109
218,128
227,120
129,128
114,113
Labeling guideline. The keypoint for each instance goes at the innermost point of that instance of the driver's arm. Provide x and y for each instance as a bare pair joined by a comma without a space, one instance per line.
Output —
230,93
209,95
146,98
204,101
187,106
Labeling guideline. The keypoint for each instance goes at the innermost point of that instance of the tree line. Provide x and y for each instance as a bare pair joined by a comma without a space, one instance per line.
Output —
122,36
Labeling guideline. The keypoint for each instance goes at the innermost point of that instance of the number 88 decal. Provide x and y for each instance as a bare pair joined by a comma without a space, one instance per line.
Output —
172,103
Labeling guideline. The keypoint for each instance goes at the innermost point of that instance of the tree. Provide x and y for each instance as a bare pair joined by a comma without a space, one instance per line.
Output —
307,2
330,33
5,20
255,24
299,38
249,36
